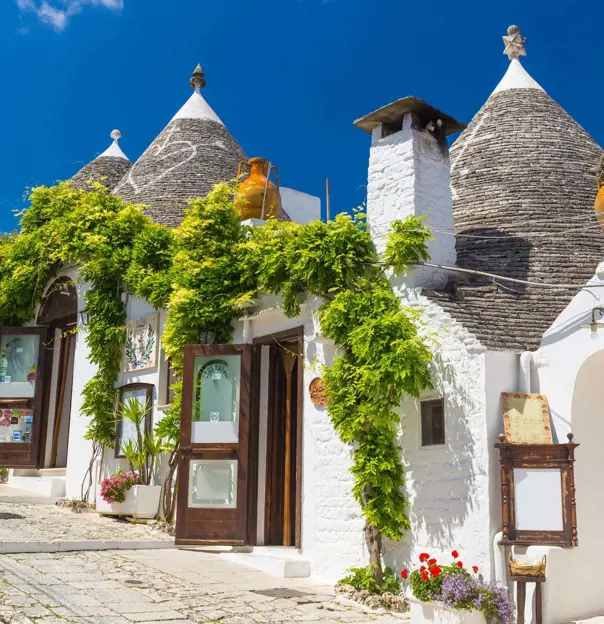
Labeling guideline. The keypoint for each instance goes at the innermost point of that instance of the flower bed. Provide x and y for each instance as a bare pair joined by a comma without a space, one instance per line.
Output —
450,593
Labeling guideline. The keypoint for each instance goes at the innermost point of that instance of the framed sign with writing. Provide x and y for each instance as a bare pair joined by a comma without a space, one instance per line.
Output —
526,418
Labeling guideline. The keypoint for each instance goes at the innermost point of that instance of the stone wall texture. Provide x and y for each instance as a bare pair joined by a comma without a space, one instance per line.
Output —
523,181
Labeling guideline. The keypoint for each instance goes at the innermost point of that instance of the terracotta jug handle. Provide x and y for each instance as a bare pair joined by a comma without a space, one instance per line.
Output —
276,175
241,165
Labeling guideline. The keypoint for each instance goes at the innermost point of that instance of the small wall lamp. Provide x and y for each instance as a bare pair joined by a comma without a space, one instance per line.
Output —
84,317
594,325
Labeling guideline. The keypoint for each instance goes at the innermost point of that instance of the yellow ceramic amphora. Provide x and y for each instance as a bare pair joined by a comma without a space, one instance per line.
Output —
249,200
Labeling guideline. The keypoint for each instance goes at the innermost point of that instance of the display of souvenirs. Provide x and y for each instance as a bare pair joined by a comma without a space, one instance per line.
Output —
18,357
16,425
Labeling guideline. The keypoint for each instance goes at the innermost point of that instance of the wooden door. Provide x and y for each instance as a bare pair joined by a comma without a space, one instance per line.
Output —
22,359
218,463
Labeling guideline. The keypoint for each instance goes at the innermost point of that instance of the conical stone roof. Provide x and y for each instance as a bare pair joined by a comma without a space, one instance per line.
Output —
523,184
108,168
191,154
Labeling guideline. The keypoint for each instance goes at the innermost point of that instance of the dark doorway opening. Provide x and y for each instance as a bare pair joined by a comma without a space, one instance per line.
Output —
59,313
283,493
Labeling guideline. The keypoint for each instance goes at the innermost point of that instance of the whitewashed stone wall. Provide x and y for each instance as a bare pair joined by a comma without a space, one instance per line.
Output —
568,367
448,486
332,526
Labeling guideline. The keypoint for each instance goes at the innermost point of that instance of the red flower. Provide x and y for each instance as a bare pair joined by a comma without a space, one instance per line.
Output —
422,568
455,554
435,571
405,573
431,561
475,568
425,575
424,556
460,564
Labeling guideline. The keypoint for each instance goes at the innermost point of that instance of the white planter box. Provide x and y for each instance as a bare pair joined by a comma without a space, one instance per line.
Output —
142,501
434,613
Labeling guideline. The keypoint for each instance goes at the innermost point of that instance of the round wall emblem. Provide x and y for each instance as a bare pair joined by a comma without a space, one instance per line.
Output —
317,391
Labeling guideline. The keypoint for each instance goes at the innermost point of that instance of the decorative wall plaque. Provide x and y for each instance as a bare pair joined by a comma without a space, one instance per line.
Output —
317,392
141,343
526,418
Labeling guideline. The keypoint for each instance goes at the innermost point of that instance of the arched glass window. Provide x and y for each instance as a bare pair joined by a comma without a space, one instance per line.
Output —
216,399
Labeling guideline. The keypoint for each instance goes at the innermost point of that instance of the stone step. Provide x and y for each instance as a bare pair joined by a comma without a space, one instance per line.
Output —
282,561
46,486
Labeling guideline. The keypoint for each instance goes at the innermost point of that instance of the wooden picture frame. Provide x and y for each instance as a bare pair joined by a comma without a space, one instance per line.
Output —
539,459
148,388
526,418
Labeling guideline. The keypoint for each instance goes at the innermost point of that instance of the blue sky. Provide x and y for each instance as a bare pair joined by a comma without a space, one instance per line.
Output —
288,77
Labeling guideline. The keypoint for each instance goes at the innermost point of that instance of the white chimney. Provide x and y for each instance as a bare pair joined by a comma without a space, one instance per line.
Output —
409,174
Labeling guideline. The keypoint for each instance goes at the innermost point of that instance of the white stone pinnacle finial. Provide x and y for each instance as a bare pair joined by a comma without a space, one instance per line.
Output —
116,135
514,43
198,80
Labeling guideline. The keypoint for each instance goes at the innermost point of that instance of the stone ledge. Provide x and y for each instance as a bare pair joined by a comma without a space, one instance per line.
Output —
15,547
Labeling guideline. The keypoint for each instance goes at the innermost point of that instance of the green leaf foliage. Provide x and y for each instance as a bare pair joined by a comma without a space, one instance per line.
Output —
205,272
363,579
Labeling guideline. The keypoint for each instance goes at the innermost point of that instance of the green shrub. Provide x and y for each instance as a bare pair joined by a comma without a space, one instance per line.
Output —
363,579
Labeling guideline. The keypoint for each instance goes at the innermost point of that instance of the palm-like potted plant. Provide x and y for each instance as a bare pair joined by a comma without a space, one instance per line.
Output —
132,493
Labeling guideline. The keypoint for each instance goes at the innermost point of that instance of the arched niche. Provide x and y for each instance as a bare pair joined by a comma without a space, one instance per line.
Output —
60,304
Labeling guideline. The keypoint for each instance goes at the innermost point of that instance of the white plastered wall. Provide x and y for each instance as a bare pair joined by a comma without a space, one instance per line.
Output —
332,527
569,366
450,487
80,449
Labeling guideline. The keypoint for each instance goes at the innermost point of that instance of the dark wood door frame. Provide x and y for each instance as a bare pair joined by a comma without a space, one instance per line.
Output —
296,335
68,323
220,526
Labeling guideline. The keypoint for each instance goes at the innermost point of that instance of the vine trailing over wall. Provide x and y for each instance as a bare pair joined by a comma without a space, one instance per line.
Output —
205,272
100,233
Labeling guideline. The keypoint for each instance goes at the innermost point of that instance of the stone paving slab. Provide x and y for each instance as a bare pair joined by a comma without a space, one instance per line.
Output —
162,587
26,527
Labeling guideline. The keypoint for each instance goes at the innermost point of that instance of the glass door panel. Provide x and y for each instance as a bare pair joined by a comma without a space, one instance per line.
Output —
215,467
216,399
18,365
213,484
22,357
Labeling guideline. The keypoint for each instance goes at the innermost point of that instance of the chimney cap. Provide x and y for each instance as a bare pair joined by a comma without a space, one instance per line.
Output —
391,113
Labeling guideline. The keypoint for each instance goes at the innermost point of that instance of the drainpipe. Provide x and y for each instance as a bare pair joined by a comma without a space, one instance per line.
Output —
526,359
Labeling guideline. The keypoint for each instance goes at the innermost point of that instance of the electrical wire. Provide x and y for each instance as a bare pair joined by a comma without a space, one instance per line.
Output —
494,276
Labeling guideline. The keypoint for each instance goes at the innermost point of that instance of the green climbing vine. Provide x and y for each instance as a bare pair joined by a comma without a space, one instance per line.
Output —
205,273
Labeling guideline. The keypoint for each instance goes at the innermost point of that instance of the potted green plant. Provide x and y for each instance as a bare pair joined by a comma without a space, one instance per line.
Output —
132,493
451,594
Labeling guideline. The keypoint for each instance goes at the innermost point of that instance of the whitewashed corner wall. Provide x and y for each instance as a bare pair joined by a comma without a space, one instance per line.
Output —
569,366
79,449
448,486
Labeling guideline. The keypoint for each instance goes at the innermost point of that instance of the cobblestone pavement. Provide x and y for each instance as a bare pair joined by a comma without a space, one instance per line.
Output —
166,586
26,522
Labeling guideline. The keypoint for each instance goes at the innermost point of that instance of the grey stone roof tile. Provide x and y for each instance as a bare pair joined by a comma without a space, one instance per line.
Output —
523,170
